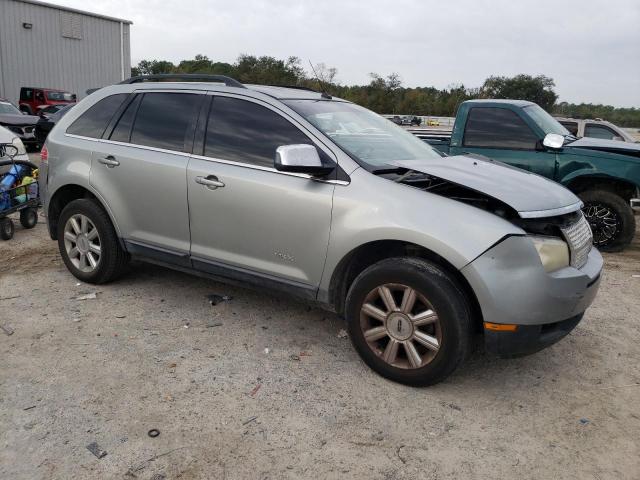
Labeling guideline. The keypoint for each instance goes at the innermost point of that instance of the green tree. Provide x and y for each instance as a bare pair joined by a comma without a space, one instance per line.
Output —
521,87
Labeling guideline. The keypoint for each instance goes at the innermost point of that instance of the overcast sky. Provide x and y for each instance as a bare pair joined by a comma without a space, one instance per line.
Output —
590,48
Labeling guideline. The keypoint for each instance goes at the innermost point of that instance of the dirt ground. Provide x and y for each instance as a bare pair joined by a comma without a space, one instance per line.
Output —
263,387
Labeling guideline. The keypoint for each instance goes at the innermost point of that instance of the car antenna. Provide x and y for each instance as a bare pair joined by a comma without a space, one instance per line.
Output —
323,92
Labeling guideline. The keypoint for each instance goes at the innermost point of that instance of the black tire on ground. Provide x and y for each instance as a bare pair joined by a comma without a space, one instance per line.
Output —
621,212
6,228
113,259
448,301
29,217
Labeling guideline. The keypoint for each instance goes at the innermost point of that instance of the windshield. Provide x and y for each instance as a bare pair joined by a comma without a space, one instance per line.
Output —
7,108
367,137
546,122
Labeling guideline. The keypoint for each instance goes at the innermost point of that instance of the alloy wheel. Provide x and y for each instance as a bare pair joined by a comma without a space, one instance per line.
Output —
82,243
400,326
604,222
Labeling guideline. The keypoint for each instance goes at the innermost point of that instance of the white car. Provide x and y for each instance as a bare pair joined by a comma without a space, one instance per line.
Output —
595,128
7,136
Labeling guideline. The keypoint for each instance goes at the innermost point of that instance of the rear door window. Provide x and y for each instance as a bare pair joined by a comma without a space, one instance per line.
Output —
493,127
245,132
600,131
94,121
122,131
166,120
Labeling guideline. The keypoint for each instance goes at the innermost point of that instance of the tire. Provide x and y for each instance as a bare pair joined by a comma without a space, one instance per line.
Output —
435,291
29,217
6,228
611,219
111,260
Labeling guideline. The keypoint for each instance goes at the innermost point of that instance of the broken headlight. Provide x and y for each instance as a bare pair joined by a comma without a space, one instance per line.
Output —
553,252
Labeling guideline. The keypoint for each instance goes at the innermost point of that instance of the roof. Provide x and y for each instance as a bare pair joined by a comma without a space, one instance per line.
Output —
517,103
286,93
74,10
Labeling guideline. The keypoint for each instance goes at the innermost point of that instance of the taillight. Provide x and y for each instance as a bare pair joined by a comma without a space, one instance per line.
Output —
44,155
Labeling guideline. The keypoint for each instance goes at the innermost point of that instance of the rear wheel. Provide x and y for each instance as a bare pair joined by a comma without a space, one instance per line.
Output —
29,217
611,219
409,320
6,228
88,243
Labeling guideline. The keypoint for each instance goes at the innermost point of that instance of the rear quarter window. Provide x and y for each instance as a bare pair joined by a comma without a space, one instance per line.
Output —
94,121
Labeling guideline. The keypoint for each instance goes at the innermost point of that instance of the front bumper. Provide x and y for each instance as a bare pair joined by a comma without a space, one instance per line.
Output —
512,287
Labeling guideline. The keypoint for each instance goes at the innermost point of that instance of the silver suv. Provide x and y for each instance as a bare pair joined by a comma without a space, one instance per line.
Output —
296,191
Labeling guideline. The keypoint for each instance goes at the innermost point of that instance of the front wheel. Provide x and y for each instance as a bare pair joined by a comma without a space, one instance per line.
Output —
88,243
611,219
409,320
6,228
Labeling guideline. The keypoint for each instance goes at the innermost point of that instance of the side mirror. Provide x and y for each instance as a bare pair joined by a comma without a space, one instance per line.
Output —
8,150
553,140
300,159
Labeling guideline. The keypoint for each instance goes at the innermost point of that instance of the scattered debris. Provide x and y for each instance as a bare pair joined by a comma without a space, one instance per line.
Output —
266,351
158,476
304,354
78,284
212,324
294,357
255,390
132,470
249,420
96,450
342,333
635,276
121,316
29,408
9,298
7,329
173,365
88,296
153,433
584,421
215,299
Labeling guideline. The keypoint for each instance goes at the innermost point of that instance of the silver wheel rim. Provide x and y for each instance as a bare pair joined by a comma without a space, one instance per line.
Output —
82,243
603,221
400,326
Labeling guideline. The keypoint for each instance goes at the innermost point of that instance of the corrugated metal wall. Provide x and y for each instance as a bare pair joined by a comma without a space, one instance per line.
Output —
42,57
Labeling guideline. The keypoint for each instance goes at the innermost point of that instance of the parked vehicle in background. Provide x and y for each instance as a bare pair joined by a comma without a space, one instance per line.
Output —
597,128
51,109
6,137
33,99
417,251
20,124
411,120
47,121
605,174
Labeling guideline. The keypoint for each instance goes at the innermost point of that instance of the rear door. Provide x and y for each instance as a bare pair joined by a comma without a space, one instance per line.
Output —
258,221
139,169
501,134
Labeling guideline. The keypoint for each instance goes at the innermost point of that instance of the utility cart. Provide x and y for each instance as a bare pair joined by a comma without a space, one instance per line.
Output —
18,191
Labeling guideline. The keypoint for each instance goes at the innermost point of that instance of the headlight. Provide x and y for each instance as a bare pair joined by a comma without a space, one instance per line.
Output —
553,252
19,145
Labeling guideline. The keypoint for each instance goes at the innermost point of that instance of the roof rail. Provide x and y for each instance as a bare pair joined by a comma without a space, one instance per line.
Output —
184,77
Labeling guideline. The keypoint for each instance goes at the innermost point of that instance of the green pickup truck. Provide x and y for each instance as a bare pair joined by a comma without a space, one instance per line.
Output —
605,174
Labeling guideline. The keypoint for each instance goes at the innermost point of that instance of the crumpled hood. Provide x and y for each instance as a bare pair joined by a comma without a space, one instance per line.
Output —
20,120
612,146
527,193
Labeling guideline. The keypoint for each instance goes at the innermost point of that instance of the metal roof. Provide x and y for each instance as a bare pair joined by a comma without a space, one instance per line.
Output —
75,10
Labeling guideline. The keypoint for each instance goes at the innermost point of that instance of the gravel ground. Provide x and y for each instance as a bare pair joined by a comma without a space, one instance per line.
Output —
263,387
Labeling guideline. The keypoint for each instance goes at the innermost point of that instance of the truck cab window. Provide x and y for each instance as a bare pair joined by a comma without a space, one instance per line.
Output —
492,127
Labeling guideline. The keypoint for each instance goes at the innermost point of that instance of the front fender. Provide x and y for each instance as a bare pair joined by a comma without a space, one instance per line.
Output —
372,209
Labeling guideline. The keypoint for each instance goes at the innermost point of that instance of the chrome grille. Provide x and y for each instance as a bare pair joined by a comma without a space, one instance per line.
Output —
580,240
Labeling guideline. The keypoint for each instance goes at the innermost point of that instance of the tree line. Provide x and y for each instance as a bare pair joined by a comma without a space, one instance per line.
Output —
386,94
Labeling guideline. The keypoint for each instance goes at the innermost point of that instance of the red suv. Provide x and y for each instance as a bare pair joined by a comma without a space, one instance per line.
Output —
33,99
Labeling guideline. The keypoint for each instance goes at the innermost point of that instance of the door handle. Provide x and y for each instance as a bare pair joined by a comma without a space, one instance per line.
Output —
109,161
210,182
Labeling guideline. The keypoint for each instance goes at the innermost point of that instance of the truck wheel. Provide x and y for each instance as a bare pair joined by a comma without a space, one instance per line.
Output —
6,228
611,219
29,217
409,321
88,243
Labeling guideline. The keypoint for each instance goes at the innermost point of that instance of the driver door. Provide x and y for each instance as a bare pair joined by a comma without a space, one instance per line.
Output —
247,219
